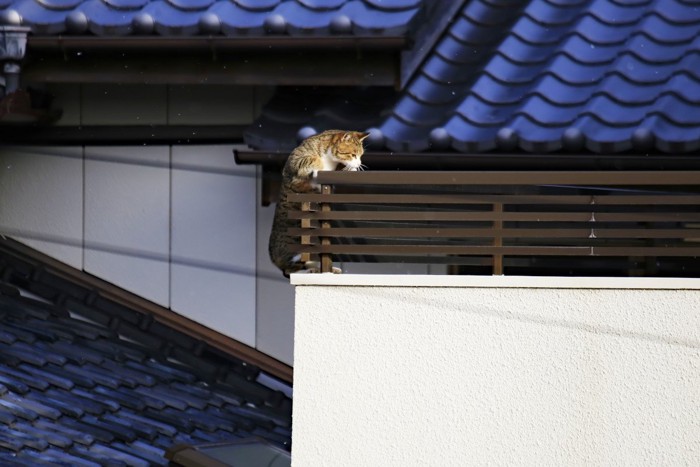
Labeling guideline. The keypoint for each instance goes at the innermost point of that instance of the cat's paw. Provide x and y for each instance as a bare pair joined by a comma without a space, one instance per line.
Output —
315,266
312,266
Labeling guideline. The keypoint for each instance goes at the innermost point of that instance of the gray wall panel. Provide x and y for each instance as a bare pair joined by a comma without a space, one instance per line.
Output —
127,218
41,199
213,240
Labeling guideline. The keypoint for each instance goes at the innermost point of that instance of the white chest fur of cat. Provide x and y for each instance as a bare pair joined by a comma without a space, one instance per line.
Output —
330,162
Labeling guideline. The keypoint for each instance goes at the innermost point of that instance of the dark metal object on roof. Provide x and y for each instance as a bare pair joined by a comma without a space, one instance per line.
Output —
242,453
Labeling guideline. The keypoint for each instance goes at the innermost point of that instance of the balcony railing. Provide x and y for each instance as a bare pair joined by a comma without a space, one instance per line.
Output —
645,222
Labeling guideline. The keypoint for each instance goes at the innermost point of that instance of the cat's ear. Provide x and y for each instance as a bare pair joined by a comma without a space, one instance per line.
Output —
363,136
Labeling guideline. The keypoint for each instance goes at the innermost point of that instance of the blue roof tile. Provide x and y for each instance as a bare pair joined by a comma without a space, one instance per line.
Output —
550,14
302,20
60,4
322,4
51,437
78,437
679,11
394,4
65,408
191,5
35,406
426,90
257,5
124,4
26,440
171,20
367,19
467,31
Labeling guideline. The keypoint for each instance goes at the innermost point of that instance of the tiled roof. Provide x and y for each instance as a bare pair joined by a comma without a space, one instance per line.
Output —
211,17
74,392
87,380
544,75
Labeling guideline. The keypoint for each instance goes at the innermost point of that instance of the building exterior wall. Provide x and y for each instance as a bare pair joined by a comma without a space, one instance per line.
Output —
400,370
176,225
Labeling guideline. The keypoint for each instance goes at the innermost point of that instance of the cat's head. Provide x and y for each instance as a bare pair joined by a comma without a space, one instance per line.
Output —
348,149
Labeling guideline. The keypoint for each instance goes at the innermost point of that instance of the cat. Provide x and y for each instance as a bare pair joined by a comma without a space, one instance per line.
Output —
324,151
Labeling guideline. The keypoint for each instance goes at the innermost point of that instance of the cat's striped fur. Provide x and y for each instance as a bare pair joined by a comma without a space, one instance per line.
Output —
325,151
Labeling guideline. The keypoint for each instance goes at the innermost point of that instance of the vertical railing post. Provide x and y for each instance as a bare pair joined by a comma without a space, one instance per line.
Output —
498,239
305,224
326,258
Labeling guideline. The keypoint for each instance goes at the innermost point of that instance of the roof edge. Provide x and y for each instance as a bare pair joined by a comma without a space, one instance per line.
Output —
43,263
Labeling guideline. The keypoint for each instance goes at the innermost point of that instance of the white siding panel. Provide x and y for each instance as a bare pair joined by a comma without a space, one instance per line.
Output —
275,316
213,240
127,218
41,199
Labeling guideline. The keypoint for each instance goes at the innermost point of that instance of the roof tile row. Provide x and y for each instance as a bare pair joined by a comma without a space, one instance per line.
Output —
227,17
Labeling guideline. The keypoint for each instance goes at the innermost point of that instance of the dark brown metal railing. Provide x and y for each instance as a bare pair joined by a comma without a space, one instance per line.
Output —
500,219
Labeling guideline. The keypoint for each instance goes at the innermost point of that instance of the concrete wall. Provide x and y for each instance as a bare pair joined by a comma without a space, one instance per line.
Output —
411,370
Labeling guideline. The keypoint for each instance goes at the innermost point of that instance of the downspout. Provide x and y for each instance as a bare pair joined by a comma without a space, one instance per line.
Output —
13,45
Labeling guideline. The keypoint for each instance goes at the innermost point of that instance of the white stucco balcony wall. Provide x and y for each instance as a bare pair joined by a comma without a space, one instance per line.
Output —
458,370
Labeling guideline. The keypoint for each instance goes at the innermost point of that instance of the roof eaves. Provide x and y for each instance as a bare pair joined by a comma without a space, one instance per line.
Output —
293,61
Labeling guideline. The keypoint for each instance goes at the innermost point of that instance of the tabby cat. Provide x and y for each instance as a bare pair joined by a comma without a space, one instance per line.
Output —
324,151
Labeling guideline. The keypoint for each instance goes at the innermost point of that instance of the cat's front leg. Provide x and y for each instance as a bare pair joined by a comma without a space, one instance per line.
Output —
312,181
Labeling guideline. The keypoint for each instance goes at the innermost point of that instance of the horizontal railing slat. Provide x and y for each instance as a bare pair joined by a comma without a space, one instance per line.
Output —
460,198
496,216
596,178
456,232
498,250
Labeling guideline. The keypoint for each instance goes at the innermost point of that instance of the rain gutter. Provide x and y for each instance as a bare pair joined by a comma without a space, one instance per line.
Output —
209,43
495,161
